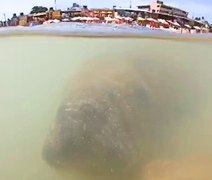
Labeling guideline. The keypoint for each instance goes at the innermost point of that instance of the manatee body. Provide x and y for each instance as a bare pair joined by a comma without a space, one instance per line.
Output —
116,117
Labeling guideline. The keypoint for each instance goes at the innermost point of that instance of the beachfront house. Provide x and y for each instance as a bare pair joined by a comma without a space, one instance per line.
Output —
14,20
160,7
76,11
54,14
101,13
23,20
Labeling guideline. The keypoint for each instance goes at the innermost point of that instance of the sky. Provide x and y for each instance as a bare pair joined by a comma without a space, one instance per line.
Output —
196,8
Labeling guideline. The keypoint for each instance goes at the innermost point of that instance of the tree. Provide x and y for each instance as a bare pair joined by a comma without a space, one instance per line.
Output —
38,9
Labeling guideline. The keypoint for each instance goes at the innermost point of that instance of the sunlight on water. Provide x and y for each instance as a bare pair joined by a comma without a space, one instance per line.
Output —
149,114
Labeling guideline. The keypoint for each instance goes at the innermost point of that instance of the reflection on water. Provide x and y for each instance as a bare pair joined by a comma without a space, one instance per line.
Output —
77,108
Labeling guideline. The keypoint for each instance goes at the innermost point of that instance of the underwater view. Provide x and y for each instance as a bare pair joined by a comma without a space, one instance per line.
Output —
99,108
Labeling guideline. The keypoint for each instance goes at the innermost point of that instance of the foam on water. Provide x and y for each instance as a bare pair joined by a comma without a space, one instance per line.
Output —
98,30
78,28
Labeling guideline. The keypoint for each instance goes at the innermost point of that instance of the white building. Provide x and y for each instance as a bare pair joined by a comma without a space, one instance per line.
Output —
159,7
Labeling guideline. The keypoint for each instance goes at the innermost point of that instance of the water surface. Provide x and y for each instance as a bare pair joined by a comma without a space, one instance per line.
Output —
36,73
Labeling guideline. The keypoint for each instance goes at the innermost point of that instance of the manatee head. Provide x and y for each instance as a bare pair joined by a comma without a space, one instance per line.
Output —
98,126
117,116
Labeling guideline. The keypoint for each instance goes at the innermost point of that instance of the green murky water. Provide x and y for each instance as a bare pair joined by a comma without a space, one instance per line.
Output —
35,74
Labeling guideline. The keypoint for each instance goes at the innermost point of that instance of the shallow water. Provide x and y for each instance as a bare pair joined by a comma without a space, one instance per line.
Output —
37,72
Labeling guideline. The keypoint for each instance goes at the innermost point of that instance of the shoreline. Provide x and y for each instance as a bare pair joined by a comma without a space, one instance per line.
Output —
150,35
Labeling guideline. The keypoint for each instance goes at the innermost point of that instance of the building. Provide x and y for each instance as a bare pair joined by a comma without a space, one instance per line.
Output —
100,13
75,11
83,10
23,19
160,7
130,12
69,13
14,20
37,18
75,5
54,14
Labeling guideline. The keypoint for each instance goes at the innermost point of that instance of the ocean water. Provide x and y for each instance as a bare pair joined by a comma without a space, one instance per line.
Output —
166,86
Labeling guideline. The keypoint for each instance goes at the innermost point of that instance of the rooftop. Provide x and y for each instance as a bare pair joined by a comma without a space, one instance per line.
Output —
132,9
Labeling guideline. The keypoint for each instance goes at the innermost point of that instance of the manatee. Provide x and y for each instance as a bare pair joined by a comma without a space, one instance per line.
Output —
116,117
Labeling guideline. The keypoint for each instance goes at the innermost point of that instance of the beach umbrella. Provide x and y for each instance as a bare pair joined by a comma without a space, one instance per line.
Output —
119,17
109,19
163,21
76,18
65,20
206,29
83,18
56,21
196,27
96,19
50,21
127,18
151,19
86,19
140,19
90,18
188,26
176,24
45,22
